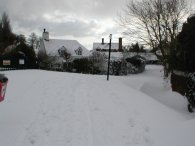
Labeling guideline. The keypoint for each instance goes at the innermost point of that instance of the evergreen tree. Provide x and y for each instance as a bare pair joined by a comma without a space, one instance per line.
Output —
184,55
6,36
136,48
183,59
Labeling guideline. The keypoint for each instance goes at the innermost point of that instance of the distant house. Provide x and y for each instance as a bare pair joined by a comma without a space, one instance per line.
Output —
117,52
116,48
104,47
54,47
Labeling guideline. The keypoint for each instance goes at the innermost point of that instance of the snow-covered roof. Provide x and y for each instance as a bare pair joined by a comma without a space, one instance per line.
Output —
147,56
105,46
53,45
9,48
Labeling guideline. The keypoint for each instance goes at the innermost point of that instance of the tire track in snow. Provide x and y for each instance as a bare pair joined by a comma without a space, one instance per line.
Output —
53,124
83,122
115,124
137,131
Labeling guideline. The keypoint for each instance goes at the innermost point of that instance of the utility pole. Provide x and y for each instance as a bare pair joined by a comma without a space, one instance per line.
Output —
108,71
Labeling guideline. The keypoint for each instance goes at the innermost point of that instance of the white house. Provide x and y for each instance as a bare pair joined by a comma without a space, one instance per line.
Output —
53,48
116,48
117,51
104,47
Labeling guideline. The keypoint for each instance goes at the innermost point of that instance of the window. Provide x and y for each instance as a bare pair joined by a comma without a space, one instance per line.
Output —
98,49
6,62
62,51
79,51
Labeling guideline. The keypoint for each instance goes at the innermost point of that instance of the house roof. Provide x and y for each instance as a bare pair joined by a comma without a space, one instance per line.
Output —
147,56
9,48
53,45
105,46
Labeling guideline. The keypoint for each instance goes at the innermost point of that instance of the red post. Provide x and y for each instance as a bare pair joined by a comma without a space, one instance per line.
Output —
3,86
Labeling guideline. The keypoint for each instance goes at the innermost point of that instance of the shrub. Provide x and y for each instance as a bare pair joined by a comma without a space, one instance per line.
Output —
82,65
190,93
99,63
138,63
118,67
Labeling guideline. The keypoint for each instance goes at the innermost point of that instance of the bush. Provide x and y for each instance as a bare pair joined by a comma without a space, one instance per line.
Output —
99,63
82,65
68,66
138,63
118,67
190,93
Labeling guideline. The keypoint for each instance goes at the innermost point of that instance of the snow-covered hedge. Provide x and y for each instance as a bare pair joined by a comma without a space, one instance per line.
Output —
137,63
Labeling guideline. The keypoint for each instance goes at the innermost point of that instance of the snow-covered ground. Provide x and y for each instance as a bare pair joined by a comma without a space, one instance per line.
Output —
44,108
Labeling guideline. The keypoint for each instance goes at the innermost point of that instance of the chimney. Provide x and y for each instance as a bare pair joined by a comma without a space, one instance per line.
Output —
102,41
45,35
120,45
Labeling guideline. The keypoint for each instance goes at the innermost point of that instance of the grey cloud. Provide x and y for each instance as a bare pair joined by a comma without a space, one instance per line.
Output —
83,8
80,18
77,28
77,18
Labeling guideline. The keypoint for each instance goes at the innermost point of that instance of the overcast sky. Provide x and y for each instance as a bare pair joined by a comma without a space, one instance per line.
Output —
84,20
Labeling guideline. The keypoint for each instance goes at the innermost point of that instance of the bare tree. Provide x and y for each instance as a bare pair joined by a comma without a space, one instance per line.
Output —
63,52
99,62
155,23
33,40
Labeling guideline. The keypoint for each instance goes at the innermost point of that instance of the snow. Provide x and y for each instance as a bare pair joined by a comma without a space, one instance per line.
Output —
45,108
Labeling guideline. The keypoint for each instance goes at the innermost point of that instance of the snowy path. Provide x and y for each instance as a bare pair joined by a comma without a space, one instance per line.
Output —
114,124
51,108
